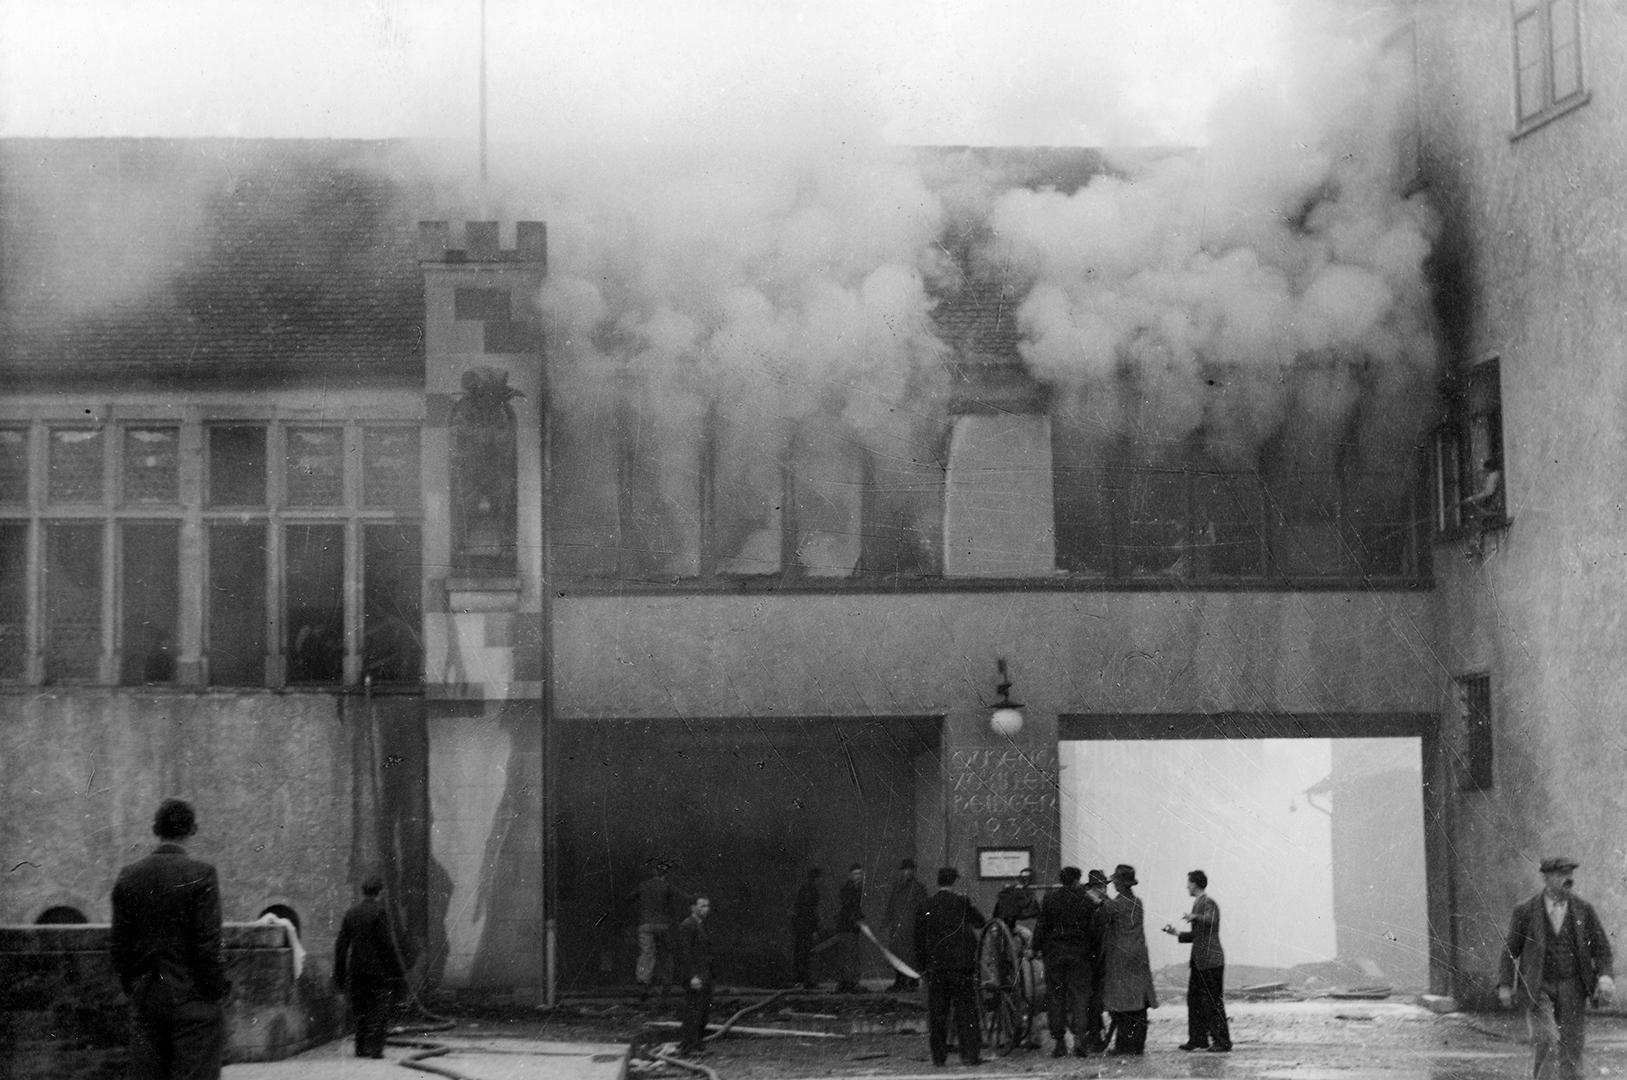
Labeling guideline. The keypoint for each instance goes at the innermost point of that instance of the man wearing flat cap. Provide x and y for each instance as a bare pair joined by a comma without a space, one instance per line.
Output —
1555,959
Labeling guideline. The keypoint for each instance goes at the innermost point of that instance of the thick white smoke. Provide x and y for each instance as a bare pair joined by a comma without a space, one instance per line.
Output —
759,318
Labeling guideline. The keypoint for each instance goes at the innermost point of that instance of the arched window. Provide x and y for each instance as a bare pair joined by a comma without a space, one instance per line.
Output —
61,915
283,911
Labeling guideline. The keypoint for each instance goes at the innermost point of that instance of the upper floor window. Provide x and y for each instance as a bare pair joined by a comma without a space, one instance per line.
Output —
288,554
1469,475
1547,59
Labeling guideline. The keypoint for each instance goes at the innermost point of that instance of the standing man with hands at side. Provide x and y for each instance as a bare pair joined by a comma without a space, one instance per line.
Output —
695,972
367,968
1555,958
168,955
946,942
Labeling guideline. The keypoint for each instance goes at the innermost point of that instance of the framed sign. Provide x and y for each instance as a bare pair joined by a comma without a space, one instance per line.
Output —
997,863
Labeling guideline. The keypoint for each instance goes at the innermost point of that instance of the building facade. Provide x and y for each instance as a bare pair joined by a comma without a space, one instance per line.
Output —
339,515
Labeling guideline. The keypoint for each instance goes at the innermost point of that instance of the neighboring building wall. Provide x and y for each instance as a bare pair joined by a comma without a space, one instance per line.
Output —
274,778
1534,276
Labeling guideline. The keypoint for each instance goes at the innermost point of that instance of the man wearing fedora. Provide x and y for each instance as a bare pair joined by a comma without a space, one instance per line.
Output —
1127,989
1095,1026
1556,958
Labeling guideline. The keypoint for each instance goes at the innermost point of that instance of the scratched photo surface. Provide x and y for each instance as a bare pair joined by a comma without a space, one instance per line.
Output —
570,460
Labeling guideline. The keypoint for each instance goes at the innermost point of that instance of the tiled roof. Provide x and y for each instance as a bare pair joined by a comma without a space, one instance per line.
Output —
202,254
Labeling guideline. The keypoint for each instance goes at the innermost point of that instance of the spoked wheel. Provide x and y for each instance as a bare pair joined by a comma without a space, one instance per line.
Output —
1002,1021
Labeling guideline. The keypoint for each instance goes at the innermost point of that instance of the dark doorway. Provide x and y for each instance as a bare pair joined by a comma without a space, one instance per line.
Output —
741,809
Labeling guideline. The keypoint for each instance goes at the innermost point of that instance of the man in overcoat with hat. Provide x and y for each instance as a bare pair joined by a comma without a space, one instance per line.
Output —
1127,989
1556,957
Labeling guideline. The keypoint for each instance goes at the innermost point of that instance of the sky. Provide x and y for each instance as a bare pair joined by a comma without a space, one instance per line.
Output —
911,72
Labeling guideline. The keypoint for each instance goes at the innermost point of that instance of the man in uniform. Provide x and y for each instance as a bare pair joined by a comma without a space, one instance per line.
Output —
168,956
1555,958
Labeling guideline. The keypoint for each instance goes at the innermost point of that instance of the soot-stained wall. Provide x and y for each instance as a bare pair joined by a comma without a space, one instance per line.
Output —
741,808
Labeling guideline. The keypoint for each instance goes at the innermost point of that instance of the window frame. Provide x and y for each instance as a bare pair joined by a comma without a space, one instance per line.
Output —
1478,761
1542,13
192,515
1456,465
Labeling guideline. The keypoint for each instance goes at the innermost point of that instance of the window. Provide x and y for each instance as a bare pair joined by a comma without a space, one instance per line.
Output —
1475,694
305,567
1547,60
1469,474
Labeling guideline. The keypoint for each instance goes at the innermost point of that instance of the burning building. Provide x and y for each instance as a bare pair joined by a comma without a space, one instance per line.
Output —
694,527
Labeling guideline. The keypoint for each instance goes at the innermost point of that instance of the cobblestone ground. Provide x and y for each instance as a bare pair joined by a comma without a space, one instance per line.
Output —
1300,1040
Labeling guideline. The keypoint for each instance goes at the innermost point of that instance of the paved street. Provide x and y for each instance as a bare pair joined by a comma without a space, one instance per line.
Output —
1305,1040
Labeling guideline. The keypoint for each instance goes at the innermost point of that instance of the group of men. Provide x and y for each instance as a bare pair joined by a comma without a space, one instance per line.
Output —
168,955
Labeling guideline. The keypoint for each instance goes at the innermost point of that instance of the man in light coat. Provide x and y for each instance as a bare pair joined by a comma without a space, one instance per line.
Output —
1127,990
1555,958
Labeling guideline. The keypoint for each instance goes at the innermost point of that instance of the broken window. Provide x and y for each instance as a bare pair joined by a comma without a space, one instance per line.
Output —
1469,475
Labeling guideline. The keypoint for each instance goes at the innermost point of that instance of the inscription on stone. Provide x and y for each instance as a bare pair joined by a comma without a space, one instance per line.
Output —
1009,793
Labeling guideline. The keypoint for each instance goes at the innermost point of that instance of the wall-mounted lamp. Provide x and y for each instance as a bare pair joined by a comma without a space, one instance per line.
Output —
1007,717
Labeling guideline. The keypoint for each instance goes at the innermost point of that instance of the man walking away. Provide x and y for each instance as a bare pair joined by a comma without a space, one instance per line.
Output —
695,969
657,900
805,929
849,946
906,898
168,957
1206,1026
946,942
367,967
1127,984
1063,940
1555,958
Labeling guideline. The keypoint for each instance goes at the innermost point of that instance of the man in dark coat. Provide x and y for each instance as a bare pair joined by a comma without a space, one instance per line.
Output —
906,898
1555,958
1064,939
1095,1026
849,917
805,929
694,960
367,967
1017,901
946,929
1206,1026
1127,989
167,954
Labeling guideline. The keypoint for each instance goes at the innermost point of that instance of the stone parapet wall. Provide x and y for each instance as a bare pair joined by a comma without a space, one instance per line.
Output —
64,1017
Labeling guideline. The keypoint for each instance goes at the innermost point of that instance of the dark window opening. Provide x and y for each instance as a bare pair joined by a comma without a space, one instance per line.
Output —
237,465
150,588
14,466
73,602
237,605
1477,732
392,606
1470,480
13,600
314,562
